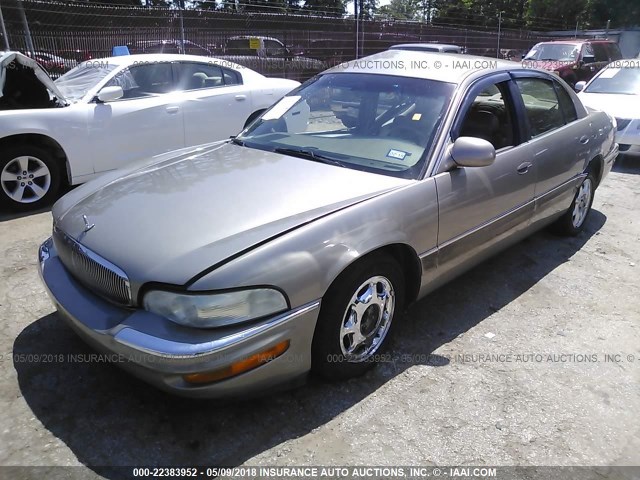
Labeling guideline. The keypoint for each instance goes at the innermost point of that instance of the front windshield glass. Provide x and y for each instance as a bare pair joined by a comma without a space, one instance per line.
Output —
625,81
554,51
377,123
79,80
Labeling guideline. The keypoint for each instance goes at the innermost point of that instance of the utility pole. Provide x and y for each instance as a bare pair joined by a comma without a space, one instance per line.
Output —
27,32
4,32
355,14
181,7
499,31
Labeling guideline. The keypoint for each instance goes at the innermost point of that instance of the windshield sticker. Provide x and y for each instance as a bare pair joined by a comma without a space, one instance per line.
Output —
281,108
416,117
397,154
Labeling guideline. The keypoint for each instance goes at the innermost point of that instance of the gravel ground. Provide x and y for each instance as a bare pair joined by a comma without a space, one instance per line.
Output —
505,366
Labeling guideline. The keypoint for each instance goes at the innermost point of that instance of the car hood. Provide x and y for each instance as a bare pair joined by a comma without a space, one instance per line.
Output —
619,106
170,220
7,57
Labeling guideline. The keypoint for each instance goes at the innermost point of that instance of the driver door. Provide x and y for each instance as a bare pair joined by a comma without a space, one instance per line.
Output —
480,206
146,121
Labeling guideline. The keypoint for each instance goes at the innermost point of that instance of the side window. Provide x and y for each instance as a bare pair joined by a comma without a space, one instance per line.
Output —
600,52
587,53
274,49
194,76
490,117
541,105
231,77
566,104
614,51
144,80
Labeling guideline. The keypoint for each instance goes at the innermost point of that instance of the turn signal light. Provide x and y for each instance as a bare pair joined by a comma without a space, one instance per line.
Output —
241,366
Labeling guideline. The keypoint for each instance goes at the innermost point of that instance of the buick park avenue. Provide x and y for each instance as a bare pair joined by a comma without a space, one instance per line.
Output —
235,267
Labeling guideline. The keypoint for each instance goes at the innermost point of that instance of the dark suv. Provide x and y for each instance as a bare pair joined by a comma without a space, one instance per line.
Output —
573,60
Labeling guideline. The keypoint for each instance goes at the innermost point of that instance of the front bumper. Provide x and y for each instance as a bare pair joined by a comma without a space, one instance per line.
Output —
161,352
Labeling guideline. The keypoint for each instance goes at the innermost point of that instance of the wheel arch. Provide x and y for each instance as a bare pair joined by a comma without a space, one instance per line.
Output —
407,260
42,141
596,165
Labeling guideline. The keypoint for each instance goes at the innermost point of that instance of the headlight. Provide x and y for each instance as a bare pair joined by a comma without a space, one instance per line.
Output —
215,309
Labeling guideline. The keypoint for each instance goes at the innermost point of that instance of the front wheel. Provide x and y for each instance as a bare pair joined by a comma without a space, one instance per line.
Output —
573,221
29,178
356,318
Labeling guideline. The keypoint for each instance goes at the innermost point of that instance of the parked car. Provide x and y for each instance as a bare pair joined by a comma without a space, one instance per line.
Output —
573,60
330,51
427,47
616,90
269,56
55,65
169,46
295,247
106,113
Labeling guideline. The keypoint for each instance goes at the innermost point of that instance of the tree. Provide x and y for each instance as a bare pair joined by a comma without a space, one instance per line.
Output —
402,9
325,7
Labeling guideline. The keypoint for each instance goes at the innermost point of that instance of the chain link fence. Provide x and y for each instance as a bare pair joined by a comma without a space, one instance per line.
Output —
297,46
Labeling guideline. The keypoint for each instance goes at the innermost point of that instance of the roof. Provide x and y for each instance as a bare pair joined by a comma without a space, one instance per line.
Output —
444,67
426,45
126,60
578,41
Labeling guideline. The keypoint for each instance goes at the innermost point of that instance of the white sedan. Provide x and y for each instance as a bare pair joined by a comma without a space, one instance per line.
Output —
107,113
616,90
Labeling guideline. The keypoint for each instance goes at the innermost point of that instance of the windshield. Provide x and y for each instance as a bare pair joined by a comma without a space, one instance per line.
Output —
625,81
79,80
377,123
554,51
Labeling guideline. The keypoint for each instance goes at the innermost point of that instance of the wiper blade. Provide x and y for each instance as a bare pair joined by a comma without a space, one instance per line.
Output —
309,154
237,141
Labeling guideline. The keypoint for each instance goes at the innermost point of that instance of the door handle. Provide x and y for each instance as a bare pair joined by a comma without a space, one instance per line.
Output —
584,139
524,168
240,98
173,109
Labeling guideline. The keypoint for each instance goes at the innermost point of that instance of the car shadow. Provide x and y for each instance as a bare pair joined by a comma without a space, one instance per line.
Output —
6,216
627,163
107,417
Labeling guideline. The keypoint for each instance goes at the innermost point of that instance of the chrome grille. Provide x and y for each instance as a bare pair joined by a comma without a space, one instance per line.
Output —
91,270
622,123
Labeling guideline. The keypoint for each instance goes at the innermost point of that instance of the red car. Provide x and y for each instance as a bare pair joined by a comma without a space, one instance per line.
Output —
573,60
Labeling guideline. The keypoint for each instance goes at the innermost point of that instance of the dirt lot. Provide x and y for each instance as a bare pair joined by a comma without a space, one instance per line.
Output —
505,366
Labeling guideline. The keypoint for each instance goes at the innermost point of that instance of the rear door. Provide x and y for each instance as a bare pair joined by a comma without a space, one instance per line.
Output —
561,143
216,104
145,122
480,206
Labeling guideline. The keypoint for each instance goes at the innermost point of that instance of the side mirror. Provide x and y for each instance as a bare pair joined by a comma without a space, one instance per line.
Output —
472,152
109,94
579,86
588,59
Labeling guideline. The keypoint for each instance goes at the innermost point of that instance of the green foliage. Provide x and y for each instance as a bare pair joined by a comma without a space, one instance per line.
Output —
538,14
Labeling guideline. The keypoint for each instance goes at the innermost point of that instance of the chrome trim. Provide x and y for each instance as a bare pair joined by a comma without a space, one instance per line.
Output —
44,252
98,280
169,349
613,153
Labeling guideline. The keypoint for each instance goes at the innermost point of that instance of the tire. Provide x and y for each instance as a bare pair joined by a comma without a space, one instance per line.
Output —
335,352
574,220
40,185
